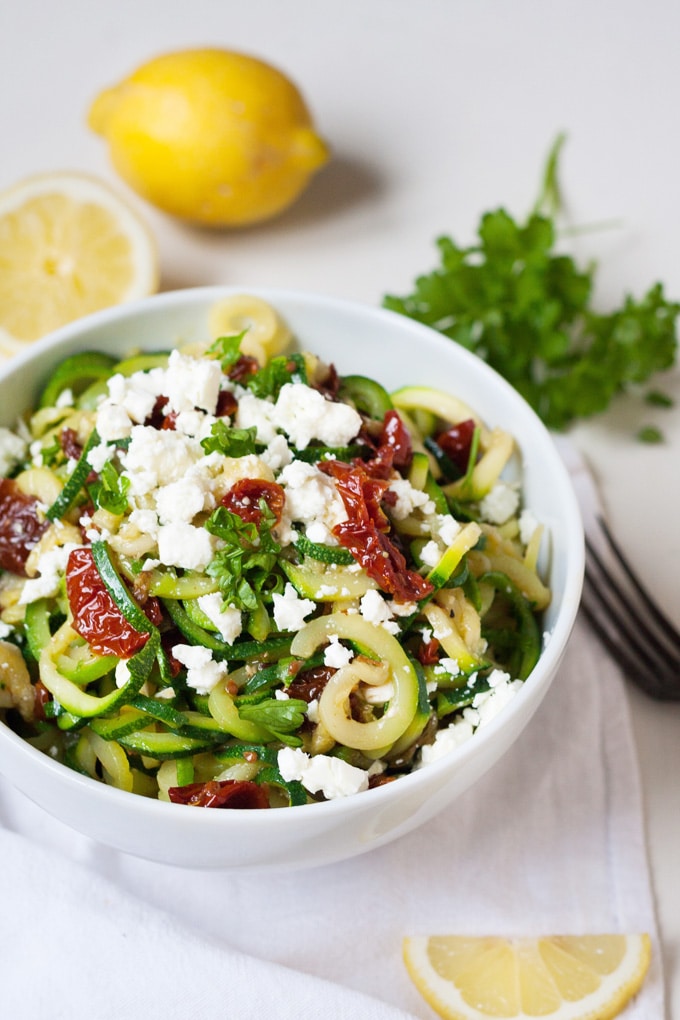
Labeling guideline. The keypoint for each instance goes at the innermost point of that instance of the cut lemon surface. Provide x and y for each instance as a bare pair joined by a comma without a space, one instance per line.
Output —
68,246
587,977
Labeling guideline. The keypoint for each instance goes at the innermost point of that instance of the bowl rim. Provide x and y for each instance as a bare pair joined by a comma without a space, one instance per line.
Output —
540,677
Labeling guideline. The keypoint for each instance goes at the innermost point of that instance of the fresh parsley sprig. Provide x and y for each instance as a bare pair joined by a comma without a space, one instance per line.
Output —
526,310
229,441
244,564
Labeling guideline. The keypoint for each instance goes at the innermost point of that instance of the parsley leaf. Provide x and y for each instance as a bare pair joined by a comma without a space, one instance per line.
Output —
526,310
650,434
231,442
276,373
244,564
110,491
227,349
281,717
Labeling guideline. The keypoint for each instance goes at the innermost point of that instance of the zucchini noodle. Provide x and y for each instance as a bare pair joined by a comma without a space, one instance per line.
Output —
230,577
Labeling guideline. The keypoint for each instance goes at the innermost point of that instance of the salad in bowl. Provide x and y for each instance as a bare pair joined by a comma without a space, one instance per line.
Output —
245,580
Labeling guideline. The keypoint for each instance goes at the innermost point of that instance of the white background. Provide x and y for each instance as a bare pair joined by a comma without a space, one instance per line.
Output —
436,110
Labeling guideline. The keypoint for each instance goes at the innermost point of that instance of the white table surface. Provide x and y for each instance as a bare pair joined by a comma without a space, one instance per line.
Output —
436,110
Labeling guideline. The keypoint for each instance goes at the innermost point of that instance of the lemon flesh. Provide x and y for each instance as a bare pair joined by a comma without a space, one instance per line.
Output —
589,977
210,136
68,246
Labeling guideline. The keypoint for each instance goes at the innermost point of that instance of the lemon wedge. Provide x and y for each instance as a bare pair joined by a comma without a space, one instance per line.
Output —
586,977
210,136
68,246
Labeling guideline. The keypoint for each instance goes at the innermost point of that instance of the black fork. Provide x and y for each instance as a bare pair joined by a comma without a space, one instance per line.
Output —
634,629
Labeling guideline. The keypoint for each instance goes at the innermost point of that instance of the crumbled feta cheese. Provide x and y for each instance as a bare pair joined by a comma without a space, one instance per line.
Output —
203,673
98,456
132,394
446,740
451,666
5,629
408,499
195,423
313,711
490,703
183,545
146,521
253,412
278,454
446,527
527,526
325,590
430,554
192,382
375,610
51,568
228,621
335,654
402,608
113,422
281,695
290,610
157,457
333,777
304,414
499,505
65,398
12,451
313,500
181,500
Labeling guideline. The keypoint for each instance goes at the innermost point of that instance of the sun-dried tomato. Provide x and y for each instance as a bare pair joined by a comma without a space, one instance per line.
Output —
365,532
244,499
456,443
309,683
169,639
330,384
244,367
397,438
41,697
428,652
96,617
226,404
224,793
20,526
68,440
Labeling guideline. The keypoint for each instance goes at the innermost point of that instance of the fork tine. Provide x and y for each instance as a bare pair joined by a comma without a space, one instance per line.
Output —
670,631
639,660
660,642
630,665
635,631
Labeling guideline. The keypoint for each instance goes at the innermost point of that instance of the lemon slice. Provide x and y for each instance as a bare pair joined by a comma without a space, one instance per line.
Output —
68,246
586,977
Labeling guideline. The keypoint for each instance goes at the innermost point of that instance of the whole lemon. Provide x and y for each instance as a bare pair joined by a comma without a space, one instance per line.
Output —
211,136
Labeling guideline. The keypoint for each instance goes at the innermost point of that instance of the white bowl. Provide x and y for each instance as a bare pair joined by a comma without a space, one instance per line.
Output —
396,351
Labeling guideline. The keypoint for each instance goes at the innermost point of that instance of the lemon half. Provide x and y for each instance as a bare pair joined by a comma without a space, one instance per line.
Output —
211,136
588,977
68,246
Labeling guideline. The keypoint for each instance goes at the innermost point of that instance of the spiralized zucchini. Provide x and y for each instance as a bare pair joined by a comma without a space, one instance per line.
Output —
231,578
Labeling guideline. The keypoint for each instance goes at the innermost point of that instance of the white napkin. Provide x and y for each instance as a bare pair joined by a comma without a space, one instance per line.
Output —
549,841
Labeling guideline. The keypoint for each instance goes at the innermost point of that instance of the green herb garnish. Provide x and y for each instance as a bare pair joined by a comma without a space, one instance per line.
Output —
110,491
650,434
245,563
526,310
231,442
